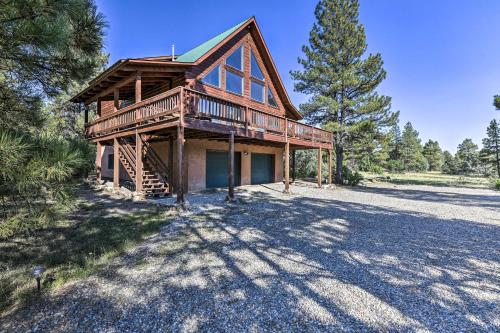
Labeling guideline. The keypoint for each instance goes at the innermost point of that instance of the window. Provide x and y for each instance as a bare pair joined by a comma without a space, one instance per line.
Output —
255,70
235,60
111,161
234,82
270,98
257,91
212,77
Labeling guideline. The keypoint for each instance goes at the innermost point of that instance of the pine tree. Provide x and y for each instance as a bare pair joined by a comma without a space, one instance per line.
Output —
496,101
44,47
411,150
450,166
467,157
433,154
340,79
491,145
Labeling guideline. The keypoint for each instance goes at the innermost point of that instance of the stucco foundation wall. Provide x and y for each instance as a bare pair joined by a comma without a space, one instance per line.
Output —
108,172
196,160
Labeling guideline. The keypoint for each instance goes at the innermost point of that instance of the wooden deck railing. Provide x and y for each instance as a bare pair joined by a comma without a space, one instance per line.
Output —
152,109
205,107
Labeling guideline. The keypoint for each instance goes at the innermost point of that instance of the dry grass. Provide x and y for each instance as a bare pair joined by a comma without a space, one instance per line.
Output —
430,178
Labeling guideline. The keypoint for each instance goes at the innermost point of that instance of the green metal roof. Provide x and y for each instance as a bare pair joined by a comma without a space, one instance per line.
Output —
200,50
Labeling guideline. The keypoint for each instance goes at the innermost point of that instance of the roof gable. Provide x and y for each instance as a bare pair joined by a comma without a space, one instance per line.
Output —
194,54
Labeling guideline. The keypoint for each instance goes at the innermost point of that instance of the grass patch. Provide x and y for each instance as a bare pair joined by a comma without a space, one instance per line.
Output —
430,178
72,248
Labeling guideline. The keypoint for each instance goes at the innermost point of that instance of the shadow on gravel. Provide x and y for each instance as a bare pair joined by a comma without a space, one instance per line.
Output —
447,197
300,264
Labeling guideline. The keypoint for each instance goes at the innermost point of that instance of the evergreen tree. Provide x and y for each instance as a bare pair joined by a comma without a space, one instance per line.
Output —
496,101
395,142
450,166
340,79
433,154
369,150
44,46
467,157
491,145
411,150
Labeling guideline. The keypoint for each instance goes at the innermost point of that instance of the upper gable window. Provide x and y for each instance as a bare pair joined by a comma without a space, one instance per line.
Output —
235,60
270,98
234,82
257,90
255,70
213,77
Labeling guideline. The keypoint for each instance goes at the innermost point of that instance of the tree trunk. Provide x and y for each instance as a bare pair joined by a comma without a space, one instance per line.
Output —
339,158
498,162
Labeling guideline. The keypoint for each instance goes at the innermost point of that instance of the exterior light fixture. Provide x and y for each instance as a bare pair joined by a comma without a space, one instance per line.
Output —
37,273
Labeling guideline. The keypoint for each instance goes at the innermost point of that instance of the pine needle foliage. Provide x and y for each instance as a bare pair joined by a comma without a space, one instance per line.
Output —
340,79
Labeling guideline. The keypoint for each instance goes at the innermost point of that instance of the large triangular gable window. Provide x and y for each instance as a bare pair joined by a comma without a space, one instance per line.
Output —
235,60
255,70
213,77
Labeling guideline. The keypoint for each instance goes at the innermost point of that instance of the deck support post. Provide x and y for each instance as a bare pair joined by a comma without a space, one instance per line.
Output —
98,159
170,164
287,167
180,164
230,167
319,166
329,167
86,115
293,165
116,164
180,151
116,99
138,163
138,87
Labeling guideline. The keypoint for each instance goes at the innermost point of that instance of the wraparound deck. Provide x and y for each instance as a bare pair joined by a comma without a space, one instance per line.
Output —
206,114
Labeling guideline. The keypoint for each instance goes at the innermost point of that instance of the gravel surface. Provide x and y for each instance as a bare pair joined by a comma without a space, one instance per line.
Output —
377,258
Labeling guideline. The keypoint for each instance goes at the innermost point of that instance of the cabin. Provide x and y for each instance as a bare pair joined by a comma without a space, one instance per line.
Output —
215,116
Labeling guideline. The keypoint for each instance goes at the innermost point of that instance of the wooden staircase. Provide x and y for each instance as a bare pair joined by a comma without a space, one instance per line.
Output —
155,172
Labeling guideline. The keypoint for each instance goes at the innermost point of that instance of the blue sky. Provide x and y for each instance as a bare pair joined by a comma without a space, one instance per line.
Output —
442,57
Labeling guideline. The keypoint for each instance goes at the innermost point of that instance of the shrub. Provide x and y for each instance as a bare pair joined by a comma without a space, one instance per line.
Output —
496,184
351,178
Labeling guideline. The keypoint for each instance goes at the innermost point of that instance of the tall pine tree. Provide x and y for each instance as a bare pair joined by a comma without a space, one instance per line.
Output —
496,101
433,154
491,145
467,157
411,150
340,81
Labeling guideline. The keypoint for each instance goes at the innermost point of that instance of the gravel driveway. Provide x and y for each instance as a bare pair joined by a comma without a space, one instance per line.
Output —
377,258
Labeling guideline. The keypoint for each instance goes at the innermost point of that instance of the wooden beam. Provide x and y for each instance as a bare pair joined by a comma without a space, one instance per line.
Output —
116,99
138,87
287,167
293,165
138,163
116,164
170,164
98,159
110,89
99,106
329,167
230,167
319,166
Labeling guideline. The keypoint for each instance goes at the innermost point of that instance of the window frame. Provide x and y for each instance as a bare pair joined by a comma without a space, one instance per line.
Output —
269,90
219,76
238,73
241,47
264,86
252,54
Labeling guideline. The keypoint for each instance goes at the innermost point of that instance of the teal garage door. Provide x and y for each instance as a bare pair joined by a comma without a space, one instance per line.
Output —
217,170
262,168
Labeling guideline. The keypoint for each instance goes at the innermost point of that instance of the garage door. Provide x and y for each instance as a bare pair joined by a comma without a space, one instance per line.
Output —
217,170
262,168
